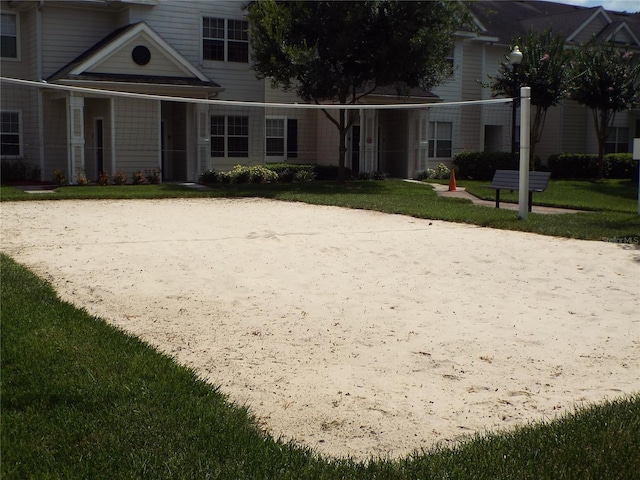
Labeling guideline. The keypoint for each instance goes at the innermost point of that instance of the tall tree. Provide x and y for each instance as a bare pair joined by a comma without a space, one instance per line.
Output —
329,51
606,79
544,68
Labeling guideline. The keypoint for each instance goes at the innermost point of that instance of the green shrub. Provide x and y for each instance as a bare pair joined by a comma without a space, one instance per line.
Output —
291,172
583,165
330,172
482,165
209,176
59,177
620,165
373,175
18,171
248,174
103,179
152,176
81,178
441,172
304,175
119,178
137,178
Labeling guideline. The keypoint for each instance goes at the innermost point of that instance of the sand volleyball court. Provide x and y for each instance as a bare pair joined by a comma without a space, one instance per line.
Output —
353,332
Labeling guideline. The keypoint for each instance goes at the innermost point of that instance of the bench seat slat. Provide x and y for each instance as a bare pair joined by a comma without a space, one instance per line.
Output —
510,180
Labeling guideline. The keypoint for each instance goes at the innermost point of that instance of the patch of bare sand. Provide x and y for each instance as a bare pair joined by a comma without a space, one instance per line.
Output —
353,332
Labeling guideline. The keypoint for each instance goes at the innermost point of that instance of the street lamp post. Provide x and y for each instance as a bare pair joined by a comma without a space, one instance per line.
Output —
515,58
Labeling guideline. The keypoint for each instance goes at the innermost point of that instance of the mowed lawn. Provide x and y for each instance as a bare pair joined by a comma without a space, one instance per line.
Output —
609,206
81,399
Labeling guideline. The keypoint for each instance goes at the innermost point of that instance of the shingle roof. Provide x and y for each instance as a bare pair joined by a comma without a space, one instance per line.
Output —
504,19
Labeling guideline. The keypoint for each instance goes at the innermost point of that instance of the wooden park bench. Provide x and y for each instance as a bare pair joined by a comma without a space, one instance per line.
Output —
510,180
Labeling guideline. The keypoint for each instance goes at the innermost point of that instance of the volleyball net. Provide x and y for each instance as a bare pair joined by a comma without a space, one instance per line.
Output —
75,129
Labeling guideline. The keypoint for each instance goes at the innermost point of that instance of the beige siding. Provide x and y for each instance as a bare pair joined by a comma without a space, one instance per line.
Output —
68,32
55,138
470,129
449,90
24,66
180,23
576,125
121,61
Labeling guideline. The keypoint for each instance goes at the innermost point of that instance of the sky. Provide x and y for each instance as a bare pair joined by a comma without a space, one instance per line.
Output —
631,6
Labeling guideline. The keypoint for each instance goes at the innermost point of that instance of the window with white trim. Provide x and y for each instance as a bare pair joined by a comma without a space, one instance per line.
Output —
9,35
229,136
10,141
225,40
618,140
281,138
440,139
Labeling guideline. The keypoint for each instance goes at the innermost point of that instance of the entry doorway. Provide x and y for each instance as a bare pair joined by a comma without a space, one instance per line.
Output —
173,141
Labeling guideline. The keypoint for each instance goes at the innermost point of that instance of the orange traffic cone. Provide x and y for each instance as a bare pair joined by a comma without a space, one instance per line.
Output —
452,181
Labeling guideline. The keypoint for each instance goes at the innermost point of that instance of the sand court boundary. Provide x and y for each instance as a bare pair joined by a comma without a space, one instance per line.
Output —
353,332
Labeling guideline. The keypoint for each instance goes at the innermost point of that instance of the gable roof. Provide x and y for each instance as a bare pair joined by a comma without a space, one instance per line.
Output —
112,63
505,20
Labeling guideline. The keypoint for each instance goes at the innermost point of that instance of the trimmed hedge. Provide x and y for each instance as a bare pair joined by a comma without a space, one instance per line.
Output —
482,165
576,165
18,170
289,172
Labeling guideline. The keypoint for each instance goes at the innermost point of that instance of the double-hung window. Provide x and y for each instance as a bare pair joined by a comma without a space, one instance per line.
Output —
618,140
225,40
281,138
440,139
9,35
229,136
10,144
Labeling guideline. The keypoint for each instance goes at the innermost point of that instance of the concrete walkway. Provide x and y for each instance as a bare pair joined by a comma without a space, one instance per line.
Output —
443,191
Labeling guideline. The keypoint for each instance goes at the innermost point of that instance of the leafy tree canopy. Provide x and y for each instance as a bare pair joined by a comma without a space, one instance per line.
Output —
328,50
544,68
605,78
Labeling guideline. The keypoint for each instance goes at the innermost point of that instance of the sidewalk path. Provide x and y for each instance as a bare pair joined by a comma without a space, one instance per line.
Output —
443,191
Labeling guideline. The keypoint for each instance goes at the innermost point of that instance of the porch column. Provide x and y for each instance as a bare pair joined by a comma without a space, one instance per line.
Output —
75,136
370,135
203,161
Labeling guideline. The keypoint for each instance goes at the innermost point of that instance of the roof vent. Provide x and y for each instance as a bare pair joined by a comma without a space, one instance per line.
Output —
141,55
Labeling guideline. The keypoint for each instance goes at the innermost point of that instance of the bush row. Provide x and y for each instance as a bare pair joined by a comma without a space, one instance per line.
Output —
18,171
259,174
482,165
118,178
575,165
278,172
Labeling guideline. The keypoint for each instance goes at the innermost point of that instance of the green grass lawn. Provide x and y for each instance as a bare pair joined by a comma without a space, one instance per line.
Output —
611,204
612,195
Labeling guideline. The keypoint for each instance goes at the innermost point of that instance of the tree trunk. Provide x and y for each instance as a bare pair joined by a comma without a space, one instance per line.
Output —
601,121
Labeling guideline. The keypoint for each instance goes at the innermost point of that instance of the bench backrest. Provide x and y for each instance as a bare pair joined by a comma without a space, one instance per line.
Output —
510,180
